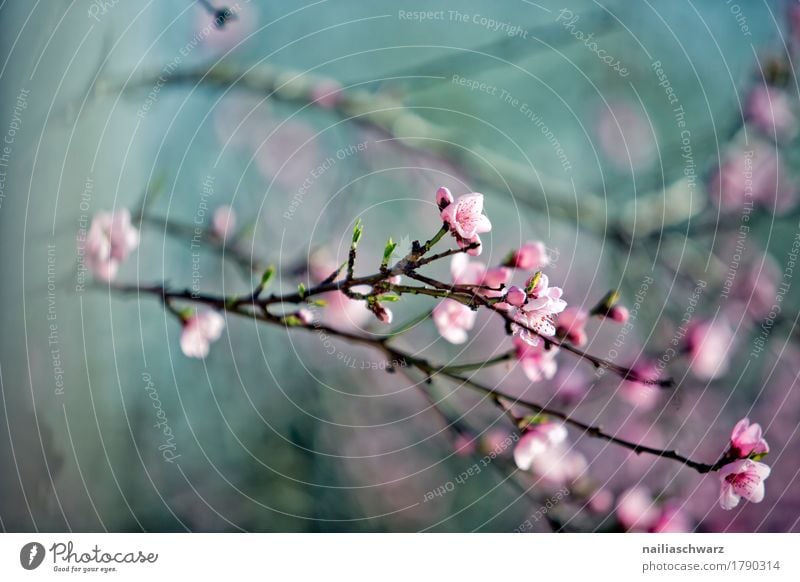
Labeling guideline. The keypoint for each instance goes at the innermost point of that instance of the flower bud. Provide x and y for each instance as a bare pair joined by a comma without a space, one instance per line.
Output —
443,198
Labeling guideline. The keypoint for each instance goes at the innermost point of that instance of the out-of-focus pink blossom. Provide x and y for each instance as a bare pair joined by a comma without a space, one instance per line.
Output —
384,314
537,439
466,272
752,175
636,510
464,445
453,320
531,256
746,439
709,345
559,464
224,222
537,362
742,479
343,312
495,441
326,93
756,286
571,325
537,314
444,198
601,501
641,395
199,332
305,316
466,220
110,240
770,110
618,313
626,137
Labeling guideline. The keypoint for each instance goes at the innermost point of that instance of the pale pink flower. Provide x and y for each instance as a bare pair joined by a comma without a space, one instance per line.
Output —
453,320
752,175
746,439
110,240
464,445
770,110
384,314
537,439
537,362
326,93
305,316
636,510
709,344
640,395
756,286
466,220
536,316
601,501
559,464
571,325
742,478
199,332
672,519
444,198
344,313
531,256
626,137
224,222
466,272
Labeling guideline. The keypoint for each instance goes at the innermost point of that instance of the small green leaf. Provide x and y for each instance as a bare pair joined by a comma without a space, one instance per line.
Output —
266,278
533,281
358,230
390,297
301,290
319,303
388,250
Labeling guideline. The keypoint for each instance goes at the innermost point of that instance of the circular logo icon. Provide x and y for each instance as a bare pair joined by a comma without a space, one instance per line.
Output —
31,555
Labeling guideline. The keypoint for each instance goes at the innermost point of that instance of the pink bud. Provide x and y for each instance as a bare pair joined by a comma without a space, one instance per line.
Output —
384,314
531,256
224,222
516,296
305,316
443,198
618,313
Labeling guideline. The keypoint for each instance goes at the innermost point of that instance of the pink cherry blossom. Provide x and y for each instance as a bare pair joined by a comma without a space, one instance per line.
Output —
305,316
770,110
672,519
453,320
640,395
444,198
626,136
199,332
746,439
571,325
618,313
636,510
466,272
531,256
742,479
754,174
326,93
537,362
110,240
464,445
224,222
709,344
466,220
601,501
559,464
537,314
536,440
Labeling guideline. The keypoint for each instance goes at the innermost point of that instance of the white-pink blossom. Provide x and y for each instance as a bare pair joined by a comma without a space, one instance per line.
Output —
224,222
770,110
571,325
538,363
531,256
537,439
199,332
110,240
742,479
536,316
710,344
746,439
453,319
466,220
